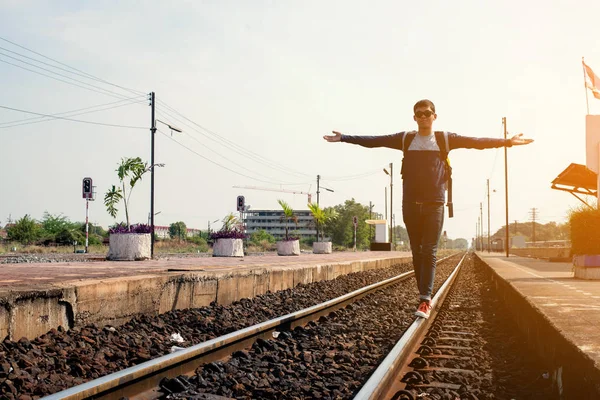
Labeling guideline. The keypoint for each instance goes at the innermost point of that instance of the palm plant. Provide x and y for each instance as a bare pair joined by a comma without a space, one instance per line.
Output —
131,170
321,217
232,229
288,215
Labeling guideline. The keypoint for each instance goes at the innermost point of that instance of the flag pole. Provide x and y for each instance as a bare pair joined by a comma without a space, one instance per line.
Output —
587,104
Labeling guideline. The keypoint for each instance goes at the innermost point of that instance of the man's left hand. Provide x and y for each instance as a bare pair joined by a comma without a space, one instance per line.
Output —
518,140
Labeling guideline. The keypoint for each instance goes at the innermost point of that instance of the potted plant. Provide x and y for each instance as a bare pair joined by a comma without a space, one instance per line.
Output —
320,219
585,242
290,245
127,242
229,240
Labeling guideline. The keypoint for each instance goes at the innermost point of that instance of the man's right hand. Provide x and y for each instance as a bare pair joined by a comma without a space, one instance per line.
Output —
336,137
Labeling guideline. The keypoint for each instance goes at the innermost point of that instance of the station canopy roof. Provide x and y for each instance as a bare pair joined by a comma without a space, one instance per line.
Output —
577,179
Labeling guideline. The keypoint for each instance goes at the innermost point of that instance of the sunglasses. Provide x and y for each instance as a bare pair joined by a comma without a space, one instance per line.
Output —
421,114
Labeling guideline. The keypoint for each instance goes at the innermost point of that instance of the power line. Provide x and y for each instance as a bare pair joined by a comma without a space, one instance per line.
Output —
73,68
224,157
234,146
98,89
74,120
211,161
73,113
353,177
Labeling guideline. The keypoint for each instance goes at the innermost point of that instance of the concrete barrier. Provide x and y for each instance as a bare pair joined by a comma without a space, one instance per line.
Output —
543,252
115,301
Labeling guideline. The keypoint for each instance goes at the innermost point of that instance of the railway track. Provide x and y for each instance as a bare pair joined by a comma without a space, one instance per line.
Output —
144,380
444,357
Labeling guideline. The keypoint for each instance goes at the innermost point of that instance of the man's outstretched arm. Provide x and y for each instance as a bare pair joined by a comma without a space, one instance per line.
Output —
466,142
391,141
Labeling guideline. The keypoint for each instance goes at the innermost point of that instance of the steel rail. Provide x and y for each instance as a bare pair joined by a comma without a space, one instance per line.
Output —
385,376
143,379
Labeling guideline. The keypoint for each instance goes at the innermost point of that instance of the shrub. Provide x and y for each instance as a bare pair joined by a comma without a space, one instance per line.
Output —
136,228
585,231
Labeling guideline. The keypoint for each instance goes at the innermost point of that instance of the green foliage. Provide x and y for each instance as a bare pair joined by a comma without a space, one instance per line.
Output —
67,235
130,169
111,199
200,242
231,223
322,218
53,224
258,237
178,230
543,232
585,235
25,231
288,216
341,229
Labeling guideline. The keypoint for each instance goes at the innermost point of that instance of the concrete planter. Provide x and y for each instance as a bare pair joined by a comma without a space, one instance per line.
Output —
322,247
288,248
228,248
129,246
586,267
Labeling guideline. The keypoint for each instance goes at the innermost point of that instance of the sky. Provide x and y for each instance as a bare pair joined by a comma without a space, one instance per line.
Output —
254,86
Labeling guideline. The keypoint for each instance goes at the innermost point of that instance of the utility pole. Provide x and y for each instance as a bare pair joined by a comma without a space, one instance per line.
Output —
481,225
533,214
488,192
152,133
506,244
386,209
392,204
370,217
318,179
515,226
478,247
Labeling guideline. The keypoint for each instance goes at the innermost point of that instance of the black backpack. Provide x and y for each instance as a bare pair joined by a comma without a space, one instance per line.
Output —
442,141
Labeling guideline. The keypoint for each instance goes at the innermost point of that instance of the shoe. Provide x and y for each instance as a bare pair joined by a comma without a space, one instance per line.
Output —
423,310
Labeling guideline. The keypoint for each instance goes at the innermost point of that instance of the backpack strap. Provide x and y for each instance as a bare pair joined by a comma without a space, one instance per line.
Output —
442,142
407,139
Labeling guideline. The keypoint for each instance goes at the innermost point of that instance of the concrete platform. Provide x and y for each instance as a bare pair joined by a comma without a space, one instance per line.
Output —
35,298
559,314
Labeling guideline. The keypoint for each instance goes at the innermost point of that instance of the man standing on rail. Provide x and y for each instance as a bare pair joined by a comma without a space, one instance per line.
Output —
425,172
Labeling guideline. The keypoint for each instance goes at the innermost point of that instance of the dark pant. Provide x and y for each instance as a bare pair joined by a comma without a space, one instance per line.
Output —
424,223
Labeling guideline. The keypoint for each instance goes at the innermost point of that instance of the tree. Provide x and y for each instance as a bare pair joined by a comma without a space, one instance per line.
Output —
67,235
288,215
341,229
52,224
178,230
25,231
258,237
130,169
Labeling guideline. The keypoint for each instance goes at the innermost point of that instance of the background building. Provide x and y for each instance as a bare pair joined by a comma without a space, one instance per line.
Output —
271,222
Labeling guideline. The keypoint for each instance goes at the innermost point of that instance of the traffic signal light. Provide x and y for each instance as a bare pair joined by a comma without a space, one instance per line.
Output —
240,203
87,188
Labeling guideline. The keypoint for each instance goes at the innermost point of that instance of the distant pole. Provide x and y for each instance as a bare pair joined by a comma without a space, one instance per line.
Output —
386,209
370,217
392,204
318,179
506,243
481,225
152,133
87,207
488,191
479,246
585,86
